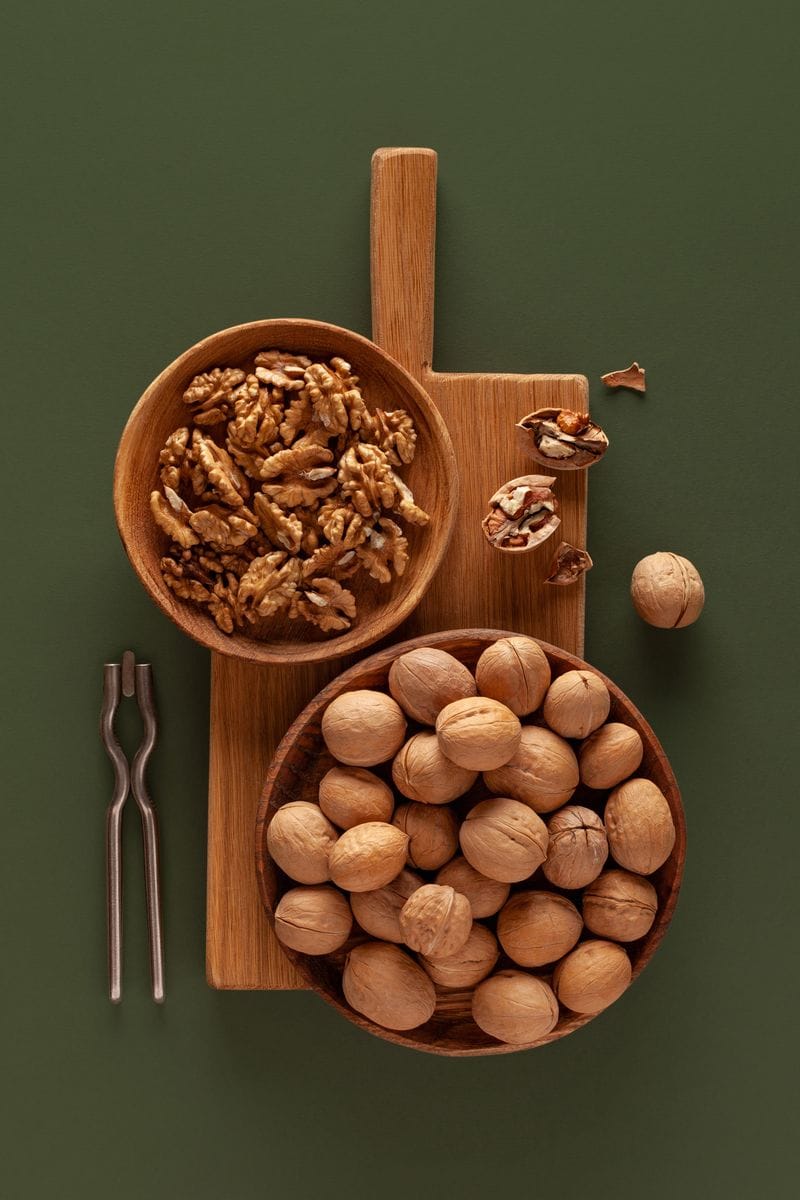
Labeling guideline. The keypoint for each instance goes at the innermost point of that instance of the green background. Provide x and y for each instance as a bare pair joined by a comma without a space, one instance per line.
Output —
616,180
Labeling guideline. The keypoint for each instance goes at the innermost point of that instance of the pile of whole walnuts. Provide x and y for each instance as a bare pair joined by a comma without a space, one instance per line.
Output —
283,487
473,857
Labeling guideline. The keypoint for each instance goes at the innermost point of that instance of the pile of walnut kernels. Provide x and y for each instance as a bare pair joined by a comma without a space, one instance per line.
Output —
468,858
281,490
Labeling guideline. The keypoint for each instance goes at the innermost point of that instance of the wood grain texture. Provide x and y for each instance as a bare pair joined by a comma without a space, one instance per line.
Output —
476,587
300,763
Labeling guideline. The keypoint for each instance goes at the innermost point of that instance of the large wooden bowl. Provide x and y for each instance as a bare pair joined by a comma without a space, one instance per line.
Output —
432,477
302,759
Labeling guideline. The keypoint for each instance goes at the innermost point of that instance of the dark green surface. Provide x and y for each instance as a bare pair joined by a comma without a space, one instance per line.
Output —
617,180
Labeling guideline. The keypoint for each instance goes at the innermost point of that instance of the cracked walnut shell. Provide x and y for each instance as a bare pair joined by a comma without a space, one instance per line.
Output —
515,1007
383,983
559,437
522,514
313,920
477,733
436,920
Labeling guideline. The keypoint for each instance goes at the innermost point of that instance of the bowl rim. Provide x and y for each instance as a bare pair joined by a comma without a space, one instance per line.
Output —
375,627
382,659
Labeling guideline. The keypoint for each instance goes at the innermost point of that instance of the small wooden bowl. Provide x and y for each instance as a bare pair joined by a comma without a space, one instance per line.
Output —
302,759
433,478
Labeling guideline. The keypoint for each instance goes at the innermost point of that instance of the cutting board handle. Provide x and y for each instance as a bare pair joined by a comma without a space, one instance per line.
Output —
402,239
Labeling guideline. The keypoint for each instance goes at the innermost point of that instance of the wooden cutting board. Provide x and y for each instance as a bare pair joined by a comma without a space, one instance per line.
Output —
476,587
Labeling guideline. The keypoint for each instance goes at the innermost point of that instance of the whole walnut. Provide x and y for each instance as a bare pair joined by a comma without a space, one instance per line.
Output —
593,976
423,681
313,920
432,834
436,920
620,906
422,772
542,774
299,839
383,983
667,590
516,672
639,826
368,856
577,849
352,795
536,928
515,1007
576,704
473,962
378,912
611,754
363,728
504,839
486,896
477,733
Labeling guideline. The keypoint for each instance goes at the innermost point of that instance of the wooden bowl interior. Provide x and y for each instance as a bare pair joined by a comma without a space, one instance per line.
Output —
302,759
432,477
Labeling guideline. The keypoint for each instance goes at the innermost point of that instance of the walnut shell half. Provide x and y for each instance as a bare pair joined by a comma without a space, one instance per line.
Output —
559,437
522,514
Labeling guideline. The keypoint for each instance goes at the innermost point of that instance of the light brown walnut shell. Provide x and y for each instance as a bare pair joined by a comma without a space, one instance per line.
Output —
577,849
560,438
368,856
363,728
475,960
504,839
667,590
383,983
639,825
436,920
352,795
378,912
299,839
313,920
593,976
610,755
515,1007
477,733
537,927
432,832
424,680
522,514
516,672
486,896
576,704
620,905
542,774
422,772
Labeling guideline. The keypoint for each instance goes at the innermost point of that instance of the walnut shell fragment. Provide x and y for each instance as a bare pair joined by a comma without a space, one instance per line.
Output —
631,377
558,437
522,514
568,565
